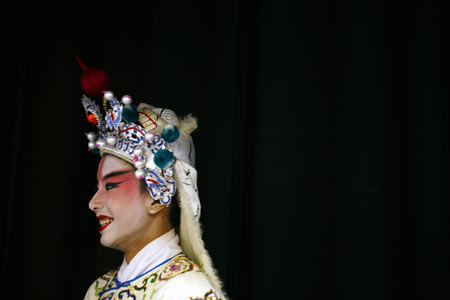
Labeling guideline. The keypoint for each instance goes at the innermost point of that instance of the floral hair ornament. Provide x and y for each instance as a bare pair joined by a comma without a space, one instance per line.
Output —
154,140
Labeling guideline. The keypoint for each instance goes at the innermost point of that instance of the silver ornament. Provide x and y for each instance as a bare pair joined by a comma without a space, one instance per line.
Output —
108,95
138,152
100,144
91,136
149,137
139,173
91,145
111,140
126,100
139,164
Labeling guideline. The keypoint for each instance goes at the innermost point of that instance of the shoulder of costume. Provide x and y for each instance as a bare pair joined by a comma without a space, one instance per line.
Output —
103,282
154,280
178,265
189,286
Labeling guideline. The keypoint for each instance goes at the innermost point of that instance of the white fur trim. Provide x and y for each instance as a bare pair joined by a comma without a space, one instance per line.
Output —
188,124
190,228
186,179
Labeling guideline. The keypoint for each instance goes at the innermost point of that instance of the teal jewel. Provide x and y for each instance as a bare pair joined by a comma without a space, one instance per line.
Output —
130,113
95,151
170,134
163,158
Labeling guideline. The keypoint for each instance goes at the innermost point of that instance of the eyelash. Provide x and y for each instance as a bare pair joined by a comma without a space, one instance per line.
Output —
111,185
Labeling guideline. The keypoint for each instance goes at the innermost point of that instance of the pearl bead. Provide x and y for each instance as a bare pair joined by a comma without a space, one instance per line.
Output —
91,145
149,137
100,144
126,100
139,173
91,136
139,164
108,95
111,140
138,152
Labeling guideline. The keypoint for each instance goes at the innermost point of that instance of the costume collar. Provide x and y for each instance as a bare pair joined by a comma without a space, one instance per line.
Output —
154,253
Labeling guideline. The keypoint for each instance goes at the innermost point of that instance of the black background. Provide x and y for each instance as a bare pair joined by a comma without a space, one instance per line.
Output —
322,147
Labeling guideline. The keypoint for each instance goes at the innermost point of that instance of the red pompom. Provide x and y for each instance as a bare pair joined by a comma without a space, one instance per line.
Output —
92,119
94,82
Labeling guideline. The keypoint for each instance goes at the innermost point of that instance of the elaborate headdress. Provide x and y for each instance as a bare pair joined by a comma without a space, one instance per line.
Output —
159,145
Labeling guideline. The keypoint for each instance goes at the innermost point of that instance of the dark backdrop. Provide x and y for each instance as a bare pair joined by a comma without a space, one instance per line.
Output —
322,146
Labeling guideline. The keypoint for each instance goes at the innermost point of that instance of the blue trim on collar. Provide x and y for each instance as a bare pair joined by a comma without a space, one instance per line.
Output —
127,283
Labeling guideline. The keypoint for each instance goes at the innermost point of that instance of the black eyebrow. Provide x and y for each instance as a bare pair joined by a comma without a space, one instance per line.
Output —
112,174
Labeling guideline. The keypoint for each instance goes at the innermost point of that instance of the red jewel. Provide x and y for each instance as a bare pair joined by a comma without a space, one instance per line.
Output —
92,119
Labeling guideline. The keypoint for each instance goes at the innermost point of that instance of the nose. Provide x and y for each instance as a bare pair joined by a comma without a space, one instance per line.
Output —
97,201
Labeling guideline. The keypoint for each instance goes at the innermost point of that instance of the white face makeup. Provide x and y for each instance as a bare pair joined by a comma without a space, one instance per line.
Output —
120,206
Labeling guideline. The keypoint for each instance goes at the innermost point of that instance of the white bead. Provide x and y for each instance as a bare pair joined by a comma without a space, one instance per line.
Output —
100,144
91,145
139,173
149,137
139,164
91,136
126,100
108,95
138,152
111,140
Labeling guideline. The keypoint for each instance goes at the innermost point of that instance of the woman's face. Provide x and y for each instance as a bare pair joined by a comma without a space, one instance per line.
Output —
120,205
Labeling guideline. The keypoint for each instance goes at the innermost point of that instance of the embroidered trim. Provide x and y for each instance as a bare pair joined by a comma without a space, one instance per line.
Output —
176,267
108,286
210,295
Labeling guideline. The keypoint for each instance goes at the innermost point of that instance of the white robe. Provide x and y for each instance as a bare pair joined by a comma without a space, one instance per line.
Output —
159,271
154,253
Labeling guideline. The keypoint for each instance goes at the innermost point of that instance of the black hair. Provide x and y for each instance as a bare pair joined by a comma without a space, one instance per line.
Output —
175,213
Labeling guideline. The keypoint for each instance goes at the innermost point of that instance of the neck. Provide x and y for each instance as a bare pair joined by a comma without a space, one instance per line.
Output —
130,254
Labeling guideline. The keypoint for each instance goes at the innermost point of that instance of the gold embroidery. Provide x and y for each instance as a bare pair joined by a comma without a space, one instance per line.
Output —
176,267
210,295
145,287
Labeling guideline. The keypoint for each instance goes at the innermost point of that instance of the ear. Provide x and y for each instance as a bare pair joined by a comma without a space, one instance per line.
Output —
155,207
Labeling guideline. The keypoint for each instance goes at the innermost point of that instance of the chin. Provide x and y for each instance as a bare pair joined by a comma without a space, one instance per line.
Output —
110,242
105,241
